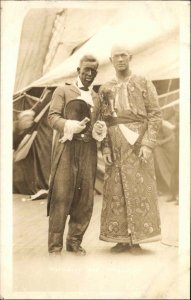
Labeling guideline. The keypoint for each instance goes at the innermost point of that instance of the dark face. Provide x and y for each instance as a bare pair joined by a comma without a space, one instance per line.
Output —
120,59
87,72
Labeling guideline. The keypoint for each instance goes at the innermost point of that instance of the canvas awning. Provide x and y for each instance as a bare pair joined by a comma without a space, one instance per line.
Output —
152,33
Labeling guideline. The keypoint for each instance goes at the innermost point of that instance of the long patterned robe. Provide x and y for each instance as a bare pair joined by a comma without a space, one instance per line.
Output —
130,211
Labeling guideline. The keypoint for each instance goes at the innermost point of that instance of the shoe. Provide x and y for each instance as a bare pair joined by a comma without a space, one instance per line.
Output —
120,247
55,254
136,249
76,249
170,198
136,246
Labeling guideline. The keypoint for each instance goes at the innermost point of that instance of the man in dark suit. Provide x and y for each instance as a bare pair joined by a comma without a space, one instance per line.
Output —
74,159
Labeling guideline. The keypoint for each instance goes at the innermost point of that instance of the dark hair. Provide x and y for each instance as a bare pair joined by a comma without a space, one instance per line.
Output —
89,58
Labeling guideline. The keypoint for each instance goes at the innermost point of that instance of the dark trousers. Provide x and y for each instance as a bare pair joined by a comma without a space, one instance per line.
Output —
72,193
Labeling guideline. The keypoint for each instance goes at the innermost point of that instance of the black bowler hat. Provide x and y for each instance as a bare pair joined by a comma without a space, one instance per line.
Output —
77,109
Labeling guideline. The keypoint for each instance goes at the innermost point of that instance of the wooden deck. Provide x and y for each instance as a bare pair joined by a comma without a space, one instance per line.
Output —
153,274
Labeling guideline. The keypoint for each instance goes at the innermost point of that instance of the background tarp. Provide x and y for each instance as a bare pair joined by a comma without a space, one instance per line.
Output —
35,39
49,36
31,174
156,40
74,32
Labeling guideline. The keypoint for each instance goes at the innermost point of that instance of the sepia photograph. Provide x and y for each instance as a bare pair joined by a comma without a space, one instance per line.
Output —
95,150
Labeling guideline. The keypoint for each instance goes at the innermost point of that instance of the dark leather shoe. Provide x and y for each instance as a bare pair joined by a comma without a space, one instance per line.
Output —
136,249
76,249
136,246
120,247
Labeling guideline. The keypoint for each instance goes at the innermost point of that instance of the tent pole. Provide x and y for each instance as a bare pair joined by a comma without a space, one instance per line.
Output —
19,97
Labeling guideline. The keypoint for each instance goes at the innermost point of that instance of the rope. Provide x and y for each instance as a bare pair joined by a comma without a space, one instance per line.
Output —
168,94
172,104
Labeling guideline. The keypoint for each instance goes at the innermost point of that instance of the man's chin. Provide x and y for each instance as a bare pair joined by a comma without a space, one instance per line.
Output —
121,68
88,82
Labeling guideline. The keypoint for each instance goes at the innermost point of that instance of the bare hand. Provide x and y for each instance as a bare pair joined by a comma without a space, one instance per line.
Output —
25,122
145,153
107,159
25,119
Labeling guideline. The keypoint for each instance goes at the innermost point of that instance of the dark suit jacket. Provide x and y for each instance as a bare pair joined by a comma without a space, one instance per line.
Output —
61,97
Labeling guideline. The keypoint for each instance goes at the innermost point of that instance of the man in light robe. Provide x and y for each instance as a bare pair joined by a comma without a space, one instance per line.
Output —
129,106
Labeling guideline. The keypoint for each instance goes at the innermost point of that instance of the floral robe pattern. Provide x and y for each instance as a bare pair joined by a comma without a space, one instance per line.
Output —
130,210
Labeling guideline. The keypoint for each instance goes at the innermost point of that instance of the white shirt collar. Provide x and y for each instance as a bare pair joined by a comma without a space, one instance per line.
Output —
85,95
80,85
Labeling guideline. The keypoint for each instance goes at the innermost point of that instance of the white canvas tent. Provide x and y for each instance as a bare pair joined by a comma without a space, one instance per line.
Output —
151,30
50,36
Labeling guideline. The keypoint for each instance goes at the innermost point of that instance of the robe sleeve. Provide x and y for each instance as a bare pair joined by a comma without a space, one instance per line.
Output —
154,116
55,115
